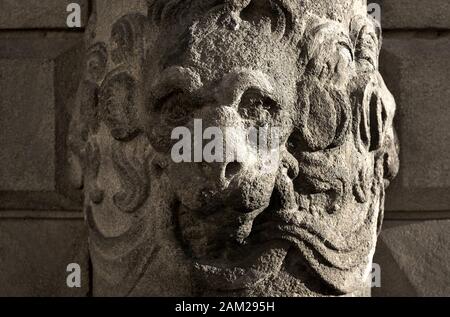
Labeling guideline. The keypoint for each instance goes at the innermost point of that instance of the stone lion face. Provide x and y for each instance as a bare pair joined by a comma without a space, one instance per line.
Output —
316,208
300,219
231,87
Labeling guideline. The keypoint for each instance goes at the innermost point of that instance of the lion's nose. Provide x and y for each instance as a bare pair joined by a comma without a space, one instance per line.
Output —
232,155
225,175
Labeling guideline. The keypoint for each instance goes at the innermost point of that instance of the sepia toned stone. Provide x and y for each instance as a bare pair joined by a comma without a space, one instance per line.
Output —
35,255
414,14
38,14
417,69
27,121
39,78
414,256
305,224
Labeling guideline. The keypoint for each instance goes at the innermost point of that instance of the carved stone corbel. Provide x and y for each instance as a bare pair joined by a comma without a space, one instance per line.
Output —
306,226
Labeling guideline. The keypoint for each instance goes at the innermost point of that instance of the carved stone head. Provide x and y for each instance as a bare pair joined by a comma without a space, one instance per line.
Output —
303,224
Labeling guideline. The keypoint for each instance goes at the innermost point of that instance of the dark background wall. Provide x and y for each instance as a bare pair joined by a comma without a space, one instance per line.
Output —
41,225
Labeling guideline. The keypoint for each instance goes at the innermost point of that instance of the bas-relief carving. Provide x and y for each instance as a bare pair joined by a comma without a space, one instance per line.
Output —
306,226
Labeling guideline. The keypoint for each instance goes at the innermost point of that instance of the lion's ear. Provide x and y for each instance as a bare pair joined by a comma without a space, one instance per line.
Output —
371,118
374,124
366,36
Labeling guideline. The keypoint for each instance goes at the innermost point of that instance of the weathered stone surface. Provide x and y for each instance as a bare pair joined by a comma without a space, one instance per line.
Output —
415,258
38,14
38,44
417,68
39,77
34,255
299,220
27,118
414,14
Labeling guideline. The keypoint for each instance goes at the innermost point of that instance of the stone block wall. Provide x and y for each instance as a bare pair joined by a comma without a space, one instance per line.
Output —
41,225
414,248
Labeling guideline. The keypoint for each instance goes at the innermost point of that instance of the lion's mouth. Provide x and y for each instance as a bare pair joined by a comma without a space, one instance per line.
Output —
238,255
233,251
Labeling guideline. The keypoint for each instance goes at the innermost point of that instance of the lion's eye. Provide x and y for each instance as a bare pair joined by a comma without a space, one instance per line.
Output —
175,108
257,106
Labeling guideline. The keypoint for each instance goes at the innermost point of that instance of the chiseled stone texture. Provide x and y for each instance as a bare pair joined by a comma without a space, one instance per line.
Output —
27,120
414,257
414,14
417,69
39,76
299,220
34,255
38,14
